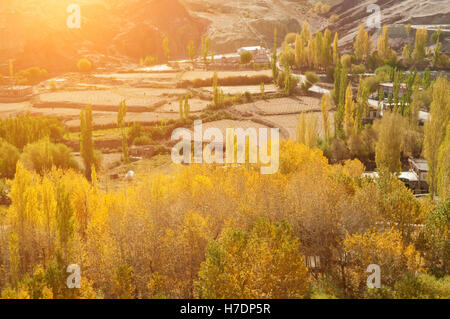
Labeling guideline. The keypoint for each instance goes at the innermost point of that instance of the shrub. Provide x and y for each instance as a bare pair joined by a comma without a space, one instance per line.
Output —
42,155
290,37
9,155
52,85
422,286
346,60
237,98
84,65
98,159
228,81
150,61
24,129
142,140
311,79
31,75
3,192
135,131
333,18
246,57
248,97
267,256
358,68
321,8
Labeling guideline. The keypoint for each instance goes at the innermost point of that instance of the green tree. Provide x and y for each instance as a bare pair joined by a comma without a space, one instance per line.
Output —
361,44
435,129
86,143
246,57
388,147
420,44
443,167
336,58
187,107
426,80
437,235
121,124
299,47
9,155
191,50
205,49
274,56
349,119
65,223
384,50
408,29
362,106
325,107
165,46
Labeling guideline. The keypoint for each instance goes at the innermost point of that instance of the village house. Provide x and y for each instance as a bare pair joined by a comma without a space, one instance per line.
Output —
415,179
388,88
420,168
232,61
17,93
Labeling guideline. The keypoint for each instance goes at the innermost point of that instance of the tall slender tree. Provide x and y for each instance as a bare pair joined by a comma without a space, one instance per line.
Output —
435,129
349,119
388,147
325,107
336,58
191,50
86,144
361,44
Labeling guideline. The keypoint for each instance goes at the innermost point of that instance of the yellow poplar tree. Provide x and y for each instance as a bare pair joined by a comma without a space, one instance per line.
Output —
349,118
336,58
435,128
325,107
361,44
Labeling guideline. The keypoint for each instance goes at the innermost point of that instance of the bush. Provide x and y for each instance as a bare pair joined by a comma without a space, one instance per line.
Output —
142,140
228,81
333,18
98,159
4,199
290,37
346,60
321,8
31,76
311,79
248,97
237,98
135,131
84,65
337,151
384,73
150,61
24,129
422,287
358,68
246,57
9,155
42,155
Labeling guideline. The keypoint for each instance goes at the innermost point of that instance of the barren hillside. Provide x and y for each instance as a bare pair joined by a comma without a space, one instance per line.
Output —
396,14
34,32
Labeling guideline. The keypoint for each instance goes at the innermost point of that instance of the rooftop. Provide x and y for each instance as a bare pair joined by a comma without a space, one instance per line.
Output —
409,176
420,163
253,48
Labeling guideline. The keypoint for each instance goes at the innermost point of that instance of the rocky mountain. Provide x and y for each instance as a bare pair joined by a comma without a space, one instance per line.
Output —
394,13
34,32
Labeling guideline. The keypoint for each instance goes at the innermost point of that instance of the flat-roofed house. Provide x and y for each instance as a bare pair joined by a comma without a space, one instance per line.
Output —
420,167
17,93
